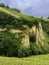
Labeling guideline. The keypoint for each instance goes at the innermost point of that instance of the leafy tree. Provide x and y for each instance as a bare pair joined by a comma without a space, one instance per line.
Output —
2,5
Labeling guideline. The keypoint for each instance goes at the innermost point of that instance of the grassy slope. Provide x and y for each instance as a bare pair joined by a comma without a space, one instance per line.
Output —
16,14
33,60
19,15
23,17
8,12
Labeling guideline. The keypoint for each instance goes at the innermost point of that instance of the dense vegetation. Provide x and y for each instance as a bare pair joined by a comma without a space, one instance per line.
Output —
45,25
11,45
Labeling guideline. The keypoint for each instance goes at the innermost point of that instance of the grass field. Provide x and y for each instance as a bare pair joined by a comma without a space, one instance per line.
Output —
32,60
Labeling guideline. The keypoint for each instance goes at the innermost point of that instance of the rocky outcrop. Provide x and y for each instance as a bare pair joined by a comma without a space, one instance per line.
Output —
40,34
25,41
34,32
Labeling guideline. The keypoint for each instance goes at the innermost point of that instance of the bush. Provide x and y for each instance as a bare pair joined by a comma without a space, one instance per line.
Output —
36,49
15,10
9,21
24,52
2,5
9,45
21,53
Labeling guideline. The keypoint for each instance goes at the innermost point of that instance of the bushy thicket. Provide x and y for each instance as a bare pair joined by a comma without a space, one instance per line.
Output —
24,52
30,21
9,45
39,49
12,22
33,50
45,25
9,21
14,10
3,5
11,9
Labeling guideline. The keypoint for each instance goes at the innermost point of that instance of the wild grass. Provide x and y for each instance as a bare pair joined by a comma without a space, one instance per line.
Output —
32,60
8,12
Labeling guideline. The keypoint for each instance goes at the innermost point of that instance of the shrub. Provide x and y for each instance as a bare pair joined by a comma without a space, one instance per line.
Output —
36,49
15,10
24,52
9,45
2,5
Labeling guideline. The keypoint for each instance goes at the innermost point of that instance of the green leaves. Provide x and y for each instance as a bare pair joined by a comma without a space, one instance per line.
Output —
9,44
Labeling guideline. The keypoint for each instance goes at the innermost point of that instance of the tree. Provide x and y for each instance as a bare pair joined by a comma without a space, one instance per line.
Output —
48,17
41,16
2,5
7,6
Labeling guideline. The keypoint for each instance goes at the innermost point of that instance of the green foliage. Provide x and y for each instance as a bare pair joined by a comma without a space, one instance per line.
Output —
16,10
38,49
24,52
37,20
9,45
2,5
27,20
8,20
45,26
7,6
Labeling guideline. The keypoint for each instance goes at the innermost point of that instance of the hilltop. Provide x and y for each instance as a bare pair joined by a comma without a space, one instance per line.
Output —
22,35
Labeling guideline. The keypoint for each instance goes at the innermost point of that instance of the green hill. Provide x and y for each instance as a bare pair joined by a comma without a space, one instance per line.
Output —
22,35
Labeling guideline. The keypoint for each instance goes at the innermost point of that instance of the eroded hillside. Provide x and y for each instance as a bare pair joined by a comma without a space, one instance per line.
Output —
29,31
